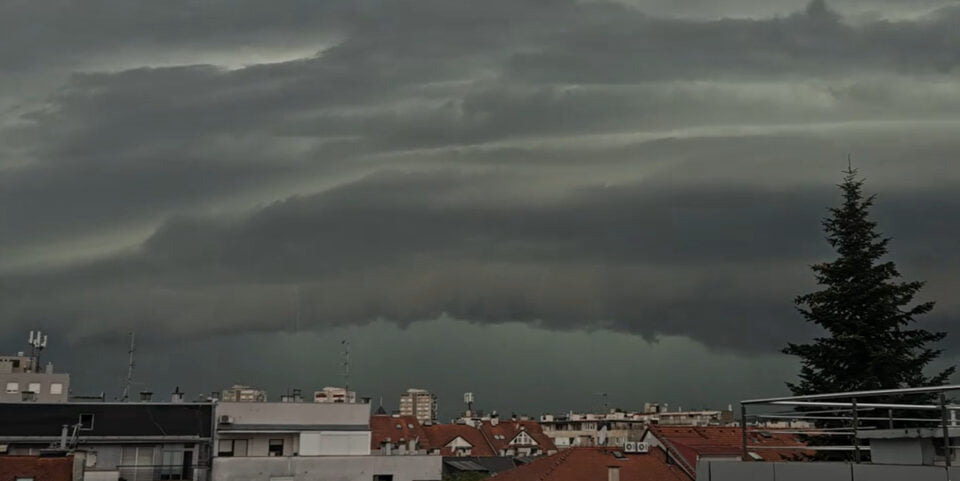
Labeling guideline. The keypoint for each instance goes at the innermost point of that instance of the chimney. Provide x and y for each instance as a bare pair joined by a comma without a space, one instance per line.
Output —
176,396
146,396
49,368
64,431
494,419
613,473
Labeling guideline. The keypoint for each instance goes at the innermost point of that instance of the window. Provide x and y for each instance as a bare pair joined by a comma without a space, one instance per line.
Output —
225,448
232,447
13,387
275,447
56,388
382,477
18,478
86,422
34,387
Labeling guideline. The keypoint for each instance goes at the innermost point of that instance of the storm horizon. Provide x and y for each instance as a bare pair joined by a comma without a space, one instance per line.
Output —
530,200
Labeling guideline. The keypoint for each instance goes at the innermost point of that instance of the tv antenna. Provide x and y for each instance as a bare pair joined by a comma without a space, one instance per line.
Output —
125,396
346,366
37,342
606,406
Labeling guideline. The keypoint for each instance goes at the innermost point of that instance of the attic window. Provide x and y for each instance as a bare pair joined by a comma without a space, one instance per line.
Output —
86,422
619,455
755,456
410,426
399,426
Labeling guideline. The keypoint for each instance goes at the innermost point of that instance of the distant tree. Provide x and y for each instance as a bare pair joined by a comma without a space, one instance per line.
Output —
866,310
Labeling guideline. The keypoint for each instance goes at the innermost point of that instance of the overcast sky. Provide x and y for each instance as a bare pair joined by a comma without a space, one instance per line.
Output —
534,200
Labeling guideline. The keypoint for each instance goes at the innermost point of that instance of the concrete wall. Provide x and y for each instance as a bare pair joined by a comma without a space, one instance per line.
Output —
902,451
24,379
307,414
328,468
332,443
751,471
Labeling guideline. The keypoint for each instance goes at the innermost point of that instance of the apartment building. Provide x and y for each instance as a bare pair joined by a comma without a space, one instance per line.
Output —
298,441
22,380
419,403
142,441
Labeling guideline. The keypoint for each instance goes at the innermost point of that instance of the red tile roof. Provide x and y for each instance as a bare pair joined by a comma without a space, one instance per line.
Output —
46,469
395,428
593,463
505,431
693,442
439,435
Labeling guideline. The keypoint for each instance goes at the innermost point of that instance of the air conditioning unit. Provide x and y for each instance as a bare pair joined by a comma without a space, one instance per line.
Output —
636,447
225,419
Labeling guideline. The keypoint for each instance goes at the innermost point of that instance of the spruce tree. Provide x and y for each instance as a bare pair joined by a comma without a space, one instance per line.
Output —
867,312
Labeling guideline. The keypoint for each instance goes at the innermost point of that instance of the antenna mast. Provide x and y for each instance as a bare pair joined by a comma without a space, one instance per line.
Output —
126,387
37,342
346,366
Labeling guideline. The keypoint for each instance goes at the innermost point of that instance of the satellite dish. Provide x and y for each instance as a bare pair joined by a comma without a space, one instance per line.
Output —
603,435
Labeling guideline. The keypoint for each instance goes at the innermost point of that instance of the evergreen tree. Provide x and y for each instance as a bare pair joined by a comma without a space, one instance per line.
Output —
866,310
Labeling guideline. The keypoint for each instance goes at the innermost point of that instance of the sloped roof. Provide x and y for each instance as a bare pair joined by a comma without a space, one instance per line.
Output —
44,468
692,442
505,431
593,463
395,428
108,419
439,435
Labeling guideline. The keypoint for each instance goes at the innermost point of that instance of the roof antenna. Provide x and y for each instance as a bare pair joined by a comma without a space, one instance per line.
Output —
126,387
346,366
37,344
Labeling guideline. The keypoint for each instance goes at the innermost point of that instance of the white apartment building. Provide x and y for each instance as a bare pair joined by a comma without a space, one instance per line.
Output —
301,441
330,394
616,427
419,403
243,394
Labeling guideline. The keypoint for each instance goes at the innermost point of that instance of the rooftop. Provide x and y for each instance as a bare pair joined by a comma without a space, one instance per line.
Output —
587,464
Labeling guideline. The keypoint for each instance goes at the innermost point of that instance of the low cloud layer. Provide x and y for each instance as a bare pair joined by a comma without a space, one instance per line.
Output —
572,165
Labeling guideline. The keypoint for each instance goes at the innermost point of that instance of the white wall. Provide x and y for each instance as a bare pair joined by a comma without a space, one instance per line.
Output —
295,413
334,443
332,468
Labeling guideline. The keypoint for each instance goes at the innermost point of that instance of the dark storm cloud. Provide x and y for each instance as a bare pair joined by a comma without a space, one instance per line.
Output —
716,264
569,164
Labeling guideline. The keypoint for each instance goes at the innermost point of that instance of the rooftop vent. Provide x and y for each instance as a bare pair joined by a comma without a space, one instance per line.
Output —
613,473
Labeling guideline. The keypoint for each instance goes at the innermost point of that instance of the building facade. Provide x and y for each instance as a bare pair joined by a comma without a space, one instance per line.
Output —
332,394
307,441
22,380
130,441
419,403
243,394
616,427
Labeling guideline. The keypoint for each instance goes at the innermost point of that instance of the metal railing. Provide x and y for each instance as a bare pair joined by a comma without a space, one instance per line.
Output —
849,408
163,472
